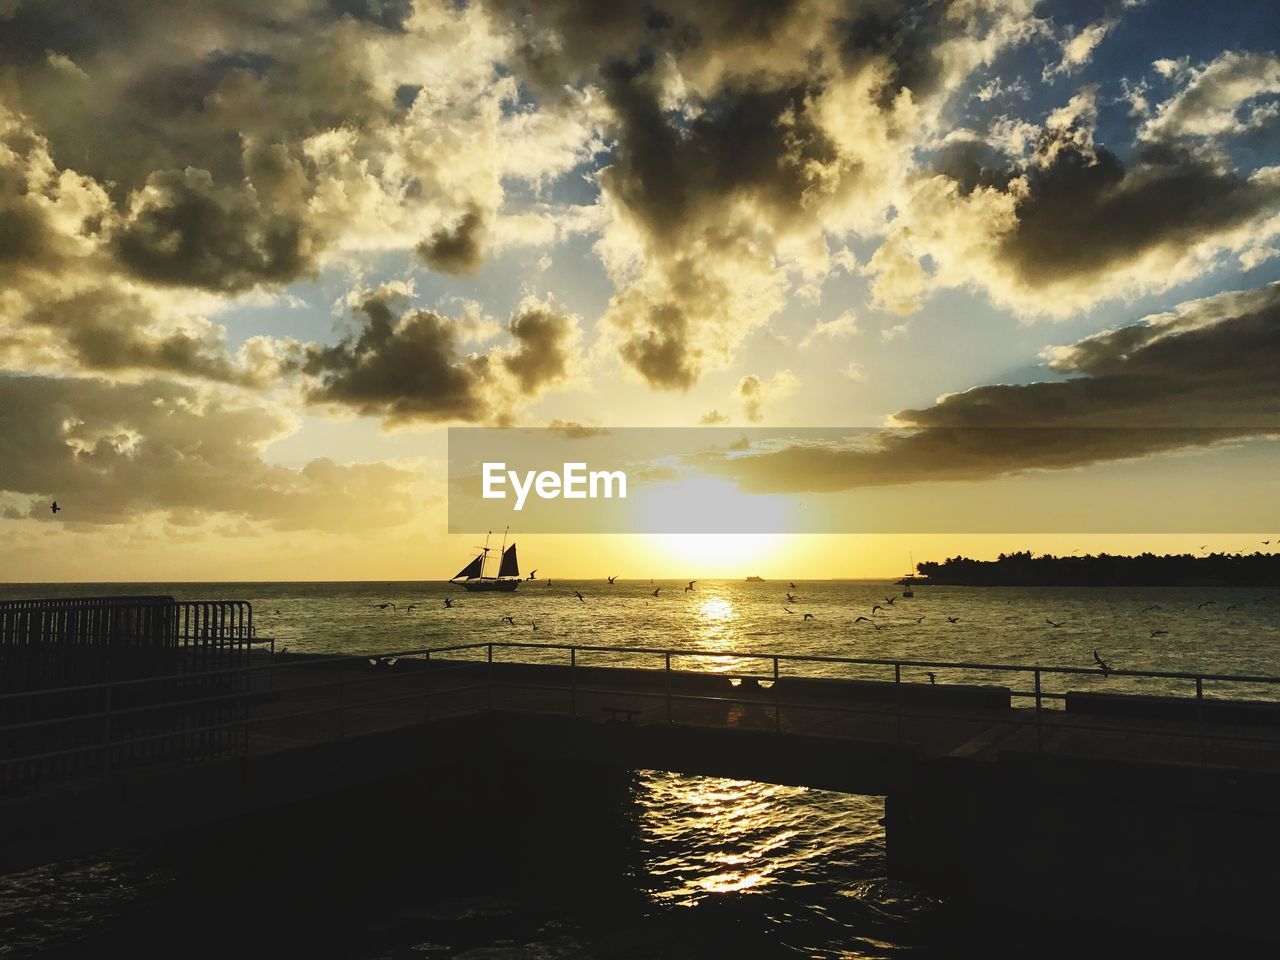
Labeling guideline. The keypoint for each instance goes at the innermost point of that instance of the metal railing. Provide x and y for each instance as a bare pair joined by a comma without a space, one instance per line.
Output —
320,698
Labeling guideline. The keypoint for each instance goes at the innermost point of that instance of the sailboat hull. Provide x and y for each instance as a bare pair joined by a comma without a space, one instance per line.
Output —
489,586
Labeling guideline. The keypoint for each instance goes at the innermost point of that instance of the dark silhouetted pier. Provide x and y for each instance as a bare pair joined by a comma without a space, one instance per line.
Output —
1048,788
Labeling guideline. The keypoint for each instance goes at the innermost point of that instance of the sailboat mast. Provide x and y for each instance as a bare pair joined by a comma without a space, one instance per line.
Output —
484,557
502,554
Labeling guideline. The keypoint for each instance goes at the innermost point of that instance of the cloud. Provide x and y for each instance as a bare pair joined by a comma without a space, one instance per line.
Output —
410,367
456,249
1211,100
1078,46
1196,376
113,453
845,325
753,392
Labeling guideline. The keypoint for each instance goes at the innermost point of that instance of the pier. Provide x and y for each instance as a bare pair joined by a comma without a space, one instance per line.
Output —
1020,786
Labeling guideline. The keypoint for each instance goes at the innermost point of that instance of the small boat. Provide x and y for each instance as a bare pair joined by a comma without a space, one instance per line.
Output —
473,578
755,579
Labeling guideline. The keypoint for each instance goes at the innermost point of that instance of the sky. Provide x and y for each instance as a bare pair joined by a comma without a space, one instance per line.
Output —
255,260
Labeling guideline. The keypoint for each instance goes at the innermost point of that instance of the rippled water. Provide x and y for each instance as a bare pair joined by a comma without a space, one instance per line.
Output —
804,869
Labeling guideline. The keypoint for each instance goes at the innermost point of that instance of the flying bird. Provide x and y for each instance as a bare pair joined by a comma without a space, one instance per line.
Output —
1159,633
808,616
53,507
792,586
788,611
876,607
690,586
1154,606
1052,624
411,606
509,620
791,598
383,606
533,574
534,624
953,619
1206,604
656,592
933,677
611,579
890,600
1102,664
919,619
448,602
581,598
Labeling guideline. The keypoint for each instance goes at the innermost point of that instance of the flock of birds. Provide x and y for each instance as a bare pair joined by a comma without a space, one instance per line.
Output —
887,606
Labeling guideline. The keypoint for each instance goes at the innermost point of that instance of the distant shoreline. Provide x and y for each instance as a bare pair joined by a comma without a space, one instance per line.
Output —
1145,570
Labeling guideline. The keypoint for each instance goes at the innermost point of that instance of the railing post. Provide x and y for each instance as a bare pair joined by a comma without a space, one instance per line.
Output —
573,681
1039,728
426,696
777,700
1200,717
668,672
897,697
106,732
490,677
342,698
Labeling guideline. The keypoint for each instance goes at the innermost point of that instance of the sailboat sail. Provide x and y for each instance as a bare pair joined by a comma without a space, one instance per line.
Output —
509,566
472,570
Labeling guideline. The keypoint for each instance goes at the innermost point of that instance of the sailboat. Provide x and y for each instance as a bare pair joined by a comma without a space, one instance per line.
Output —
473,578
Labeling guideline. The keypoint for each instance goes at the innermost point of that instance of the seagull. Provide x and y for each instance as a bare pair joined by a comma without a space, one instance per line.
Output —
919,619
788,611
890,600
1052,624
611,579
581,598
1266,543
1102,664
792,586
1154,606
655,593
508,620
448,602
690,586
1203,546
808,616
953,619
383,606
876,607
791,598
1159,633
1205,604
933,677
868,620
534,624
282,650
410,607
54,507
533,574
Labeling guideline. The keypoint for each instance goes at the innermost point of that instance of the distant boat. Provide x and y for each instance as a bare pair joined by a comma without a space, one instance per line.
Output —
755,579
473,578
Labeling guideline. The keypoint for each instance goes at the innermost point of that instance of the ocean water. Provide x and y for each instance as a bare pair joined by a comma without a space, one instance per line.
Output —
802,872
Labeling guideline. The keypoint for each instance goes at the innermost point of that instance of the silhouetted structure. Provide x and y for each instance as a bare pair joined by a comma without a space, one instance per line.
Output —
168,672
1022,569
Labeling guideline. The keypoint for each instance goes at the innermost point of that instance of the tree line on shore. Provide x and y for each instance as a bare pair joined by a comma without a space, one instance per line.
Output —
1023,569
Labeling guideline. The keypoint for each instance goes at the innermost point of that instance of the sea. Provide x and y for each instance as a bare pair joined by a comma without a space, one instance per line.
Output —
712,867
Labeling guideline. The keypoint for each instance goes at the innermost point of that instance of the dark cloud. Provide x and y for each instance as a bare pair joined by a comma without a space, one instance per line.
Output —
456,249
401,368
183,229
1086,213
545,345
111,452
411,368
1199,376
